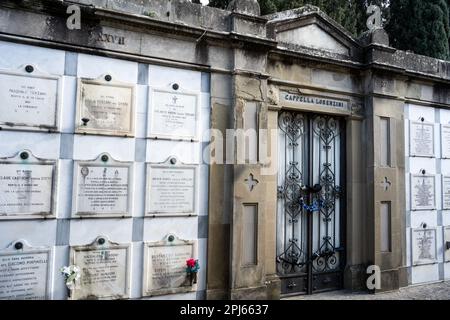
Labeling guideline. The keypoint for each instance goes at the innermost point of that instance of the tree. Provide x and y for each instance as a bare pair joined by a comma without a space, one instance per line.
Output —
421,26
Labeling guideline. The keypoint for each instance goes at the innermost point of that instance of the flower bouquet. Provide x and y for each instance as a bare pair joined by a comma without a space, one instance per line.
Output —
71,274
192,270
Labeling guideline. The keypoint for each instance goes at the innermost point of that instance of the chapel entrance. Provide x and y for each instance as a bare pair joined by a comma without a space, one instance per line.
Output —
311,203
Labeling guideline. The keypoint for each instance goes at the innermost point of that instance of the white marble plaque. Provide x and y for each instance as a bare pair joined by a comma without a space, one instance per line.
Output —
105,107
424,246
174,114
24,272
423,192
105,271
29,100
165,266
447,243
445,192
421,139
445,141
171,189
26,187
102,187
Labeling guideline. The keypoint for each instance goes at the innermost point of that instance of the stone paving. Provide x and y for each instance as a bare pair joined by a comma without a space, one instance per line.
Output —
436,291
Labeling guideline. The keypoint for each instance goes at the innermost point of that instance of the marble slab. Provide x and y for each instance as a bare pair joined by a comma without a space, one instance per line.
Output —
27,187
165,266
423,192
424,246
105,107
105,270
102,187
30,99
421,139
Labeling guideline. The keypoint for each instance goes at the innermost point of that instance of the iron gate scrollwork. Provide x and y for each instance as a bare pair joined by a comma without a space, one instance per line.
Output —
311,205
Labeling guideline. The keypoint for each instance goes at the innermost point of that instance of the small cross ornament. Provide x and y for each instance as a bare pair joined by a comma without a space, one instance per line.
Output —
386,184
251,182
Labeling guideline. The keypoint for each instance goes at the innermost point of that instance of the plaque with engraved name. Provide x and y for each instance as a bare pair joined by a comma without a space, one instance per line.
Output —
26,187
24,272
421,139
446,192
29,100
171,189
445,141
165,266
423,192
102,188
105,107
105,271
173,114
424,246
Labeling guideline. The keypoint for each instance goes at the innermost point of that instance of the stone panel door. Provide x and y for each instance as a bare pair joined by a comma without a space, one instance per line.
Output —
311,203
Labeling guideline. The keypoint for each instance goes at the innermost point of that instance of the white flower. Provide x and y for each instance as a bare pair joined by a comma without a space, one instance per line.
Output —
76,269
65,270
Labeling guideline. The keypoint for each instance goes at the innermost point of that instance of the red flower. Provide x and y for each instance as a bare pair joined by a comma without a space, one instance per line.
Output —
190,263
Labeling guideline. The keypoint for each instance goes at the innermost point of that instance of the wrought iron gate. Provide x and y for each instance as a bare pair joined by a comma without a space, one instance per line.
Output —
311,203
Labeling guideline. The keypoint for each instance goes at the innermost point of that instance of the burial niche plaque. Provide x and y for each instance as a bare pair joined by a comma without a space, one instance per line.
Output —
423,192
26,187
24,272
30,99
445,141
174,114
105,272
102,188
445,192
105,107
171,188
421,139
165,266
424,246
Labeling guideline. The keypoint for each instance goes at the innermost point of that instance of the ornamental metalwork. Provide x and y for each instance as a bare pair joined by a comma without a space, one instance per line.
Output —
310,207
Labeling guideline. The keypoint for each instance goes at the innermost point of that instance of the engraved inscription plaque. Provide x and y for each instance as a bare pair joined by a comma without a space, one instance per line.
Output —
171,189
26,187
423,192
174,114
29,101
421,139
424,246
105,107
102,187
105,271
445,141
165,266
446,192
24,272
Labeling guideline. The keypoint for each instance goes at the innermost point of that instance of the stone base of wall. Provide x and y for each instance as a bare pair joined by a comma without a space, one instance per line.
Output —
355,277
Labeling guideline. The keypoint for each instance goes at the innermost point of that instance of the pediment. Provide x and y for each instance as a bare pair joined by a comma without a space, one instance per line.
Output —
312,29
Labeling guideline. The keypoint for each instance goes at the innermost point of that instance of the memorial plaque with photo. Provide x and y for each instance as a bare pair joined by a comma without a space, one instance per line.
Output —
30,100
447,243
165,266
171,189
423,192
26,187
445,141
446,192
105,107
173,114
421,139
24,272
424,246
102,188
105,270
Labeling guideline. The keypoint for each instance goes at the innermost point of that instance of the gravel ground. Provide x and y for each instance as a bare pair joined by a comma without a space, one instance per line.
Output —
436,291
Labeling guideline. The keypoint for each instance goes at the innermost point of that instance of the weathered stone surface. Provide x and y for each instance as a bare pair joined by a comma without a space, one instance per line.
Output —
250,7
